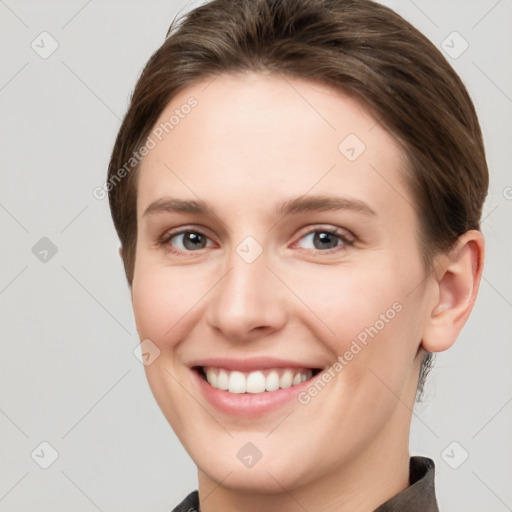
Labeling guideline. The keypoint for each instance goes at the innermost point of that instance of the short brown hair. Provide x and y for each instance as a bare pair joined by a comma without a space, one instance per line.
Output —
361,48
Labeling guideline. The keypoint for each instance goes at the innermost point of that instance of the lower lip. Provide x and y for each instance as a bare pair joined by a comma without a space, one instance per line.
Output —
249,404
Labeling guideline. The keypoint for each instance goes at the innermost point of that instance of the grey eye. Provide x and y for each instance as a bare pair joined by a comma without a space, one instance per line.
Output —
320,240
189,241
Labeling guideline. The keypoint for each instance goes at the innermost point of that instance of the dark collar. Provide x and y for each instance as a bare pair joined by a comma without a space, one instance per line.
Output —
420,496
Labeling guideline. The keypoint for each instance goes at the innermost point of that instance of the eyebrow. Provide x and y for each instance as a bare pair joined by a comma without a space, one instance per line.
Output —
170,205
323,203
288,207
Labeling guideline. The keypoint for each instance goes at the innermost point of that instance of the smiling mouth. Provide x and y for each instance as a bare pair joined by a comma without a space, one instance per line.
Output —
259,381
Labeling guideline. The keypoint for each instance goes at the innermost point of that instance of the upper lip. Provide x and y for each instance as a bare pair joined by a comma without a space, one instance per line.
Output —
250,364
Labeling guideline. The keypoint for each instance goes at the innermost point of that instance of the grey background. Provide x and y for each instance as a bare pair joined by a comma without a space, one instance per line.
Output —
68,373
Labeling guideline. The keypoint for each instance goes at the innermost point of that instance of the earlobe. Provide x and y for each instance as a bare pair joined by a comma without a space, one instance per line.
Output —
457,279
121,252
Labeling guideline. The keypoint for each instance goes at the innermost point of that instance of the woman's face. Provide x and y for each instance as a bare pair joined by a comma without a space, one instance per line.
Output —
276,239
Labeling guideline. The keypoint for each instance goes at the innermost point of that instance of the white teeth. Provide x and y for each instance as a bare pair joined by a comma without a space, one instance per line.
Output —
222,380
237,382
272,382
286,379
255,382
211,377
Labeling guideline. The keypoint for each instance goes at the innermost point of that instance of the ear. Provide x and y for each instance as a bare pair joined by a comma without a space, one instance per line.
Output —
121,252
457,278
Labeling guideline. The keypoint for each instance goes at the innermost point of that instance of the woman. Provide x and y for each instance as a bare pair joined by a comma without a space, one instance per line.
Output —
297,187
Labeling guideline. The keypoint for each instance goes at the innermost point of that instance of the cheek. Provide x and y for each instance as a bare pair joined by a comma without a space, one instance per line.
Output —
167,300
148,295
367,316
349,300
158,302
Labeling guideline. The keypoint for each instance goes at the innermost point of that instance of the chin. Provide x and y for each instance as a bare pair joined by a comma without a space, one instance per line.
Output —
265,477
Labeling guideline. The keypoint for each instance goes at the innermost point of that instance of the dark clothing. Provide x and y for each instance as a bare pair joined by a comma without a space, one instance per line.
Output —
420,496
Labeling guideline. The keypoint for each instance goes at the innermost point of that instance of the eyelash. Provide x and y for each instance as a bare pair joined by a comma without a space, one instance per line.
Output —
345,241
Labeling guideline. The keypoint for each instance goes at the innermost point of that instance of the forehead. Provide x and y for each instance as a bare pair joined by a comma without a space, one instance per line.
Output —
256,136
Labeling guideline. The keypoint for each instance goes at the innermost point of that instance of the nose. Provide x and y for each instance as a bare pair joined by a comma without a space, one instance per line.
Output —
248,302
